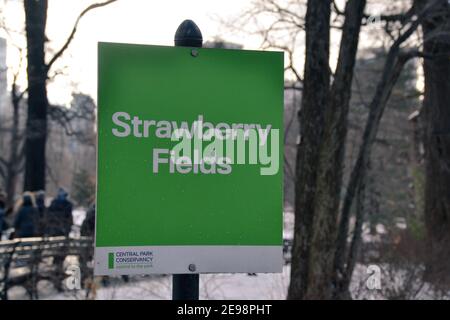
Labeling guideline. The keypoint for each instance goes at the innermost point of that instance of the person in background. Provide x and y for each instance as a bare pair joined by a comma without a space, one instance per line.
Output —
88,225
27,218
58,222
41,208
87,230
3,225
58,218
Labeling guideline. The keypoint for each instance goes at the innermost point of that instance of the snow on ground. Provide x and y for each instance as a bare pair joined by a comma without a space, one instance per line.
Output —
288,225
232,286
218,286
212,287
78,216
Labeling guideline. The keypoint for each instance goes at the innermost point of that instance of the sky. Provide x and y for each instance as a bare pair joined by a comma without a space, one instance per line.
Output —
129,21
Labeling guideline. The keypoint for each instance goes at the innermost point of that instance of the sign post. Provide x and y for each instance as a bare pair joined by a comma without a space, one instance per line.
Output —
186,286
189,160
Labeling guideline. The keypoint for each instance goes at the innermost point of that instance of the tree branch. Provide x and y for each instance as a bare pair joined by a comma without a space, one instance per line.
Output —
60,52
394,64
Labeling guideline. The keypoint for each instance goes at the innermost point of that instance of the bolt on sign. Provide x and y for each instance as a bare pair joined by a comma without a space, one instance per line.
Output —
190,160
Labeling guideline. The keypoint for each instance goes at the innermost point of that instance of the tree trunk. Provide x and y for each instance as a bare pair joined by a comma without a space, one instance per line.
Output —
311,117
329,180
320,161
14,157
436,108
36,126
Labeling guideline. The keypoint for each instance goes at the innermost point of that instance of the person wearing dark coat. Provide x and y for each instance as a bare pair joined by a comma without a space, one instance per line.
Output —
88,225
58,217
27,218
87,230
3,224
42,209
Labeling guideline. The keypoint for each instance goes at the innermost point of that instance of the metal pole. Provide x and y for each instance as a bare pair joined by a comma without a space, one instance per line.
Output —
186,286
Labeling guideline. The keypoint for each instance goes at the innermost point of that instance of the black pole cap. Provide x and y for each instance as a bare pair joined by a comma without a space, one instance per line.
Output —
188,35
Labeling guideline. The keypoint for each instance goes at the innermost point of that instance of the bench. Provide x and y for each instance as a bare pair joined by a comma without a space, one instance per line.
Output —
26,261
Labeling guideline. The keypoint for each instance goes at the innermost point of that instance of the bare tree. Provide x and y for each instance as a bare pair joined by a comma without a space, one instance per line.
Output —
37,71
12,164
312,118
436,110
323,259
323,161
396,59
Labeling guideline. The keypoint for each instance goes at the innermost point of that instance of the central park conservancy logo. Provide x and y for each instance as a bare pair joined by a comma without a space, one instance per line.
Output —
227,144
130,259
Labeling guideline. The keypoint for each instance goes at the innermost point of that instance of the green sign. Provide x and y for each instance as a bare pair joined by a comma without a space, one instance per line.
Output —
189,172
